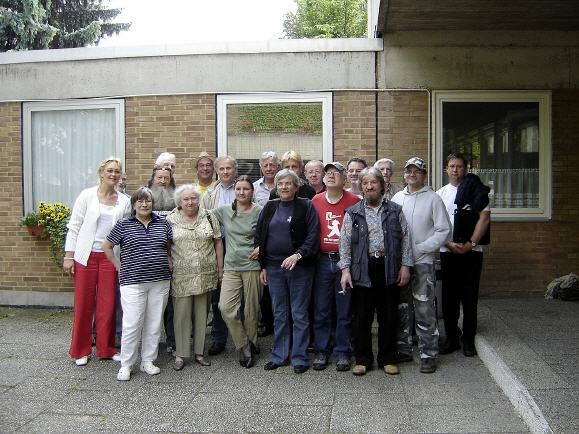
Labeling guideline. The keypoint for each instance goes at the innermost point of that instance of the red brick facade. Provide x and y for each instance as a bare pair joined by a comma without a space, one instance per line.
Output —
522,258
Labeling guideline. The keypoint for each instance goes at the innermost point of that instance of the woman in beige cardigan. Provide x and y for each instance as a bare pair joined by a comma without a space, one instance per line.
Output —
197,253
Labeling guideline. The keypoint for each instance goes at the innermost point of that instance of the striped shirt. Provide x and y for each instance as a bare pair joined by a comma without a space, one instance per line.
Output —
144,250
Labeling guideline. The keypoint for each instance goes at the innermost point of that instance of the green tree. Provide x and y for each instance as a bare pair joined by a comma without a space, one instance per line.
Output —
327,19
40,24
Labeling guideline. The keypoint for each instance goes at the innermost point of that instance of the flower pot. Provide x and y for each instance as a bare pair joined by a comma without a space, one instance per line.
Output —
36,231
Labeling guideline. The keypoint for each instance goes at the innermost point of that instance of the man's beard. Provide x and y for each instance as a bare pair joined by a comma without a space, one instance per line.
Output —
163,199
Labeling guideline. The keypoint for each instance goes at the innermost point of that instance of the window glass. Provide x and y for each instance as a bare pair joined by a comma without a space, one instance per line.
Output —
64,146
511,169
506,139
248,125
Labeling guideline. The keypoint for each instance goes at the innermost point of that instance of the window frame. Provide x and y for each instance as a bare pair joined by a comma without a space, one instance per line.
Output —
544,211
28,108
326,98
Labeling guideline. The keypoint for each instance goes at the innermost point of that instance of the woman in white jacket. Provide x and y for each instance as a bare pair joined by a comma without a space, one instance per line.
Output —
94,214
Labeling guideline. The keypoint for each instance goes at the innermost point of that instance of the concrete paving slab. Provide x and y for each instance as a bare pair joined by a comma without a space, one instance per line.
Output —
460,397
65,423
467,417
370,413
290,418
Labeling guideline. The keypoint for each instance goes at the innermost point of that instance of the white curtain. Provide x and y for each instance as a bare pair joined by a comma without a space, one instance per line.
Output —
512,188
67,147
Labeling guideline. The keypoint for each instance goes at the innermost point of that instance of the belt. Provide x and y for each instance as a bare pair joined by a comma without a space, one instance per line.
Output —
376,254
333,256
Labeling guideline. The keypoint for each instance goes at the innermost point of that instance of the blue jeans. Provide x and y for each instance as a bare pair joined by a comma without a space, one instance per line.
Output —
290,294
326,296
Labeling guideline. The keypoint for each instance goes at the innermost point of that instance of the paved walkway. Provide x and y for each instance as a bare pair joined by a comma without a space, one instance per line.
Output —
42,391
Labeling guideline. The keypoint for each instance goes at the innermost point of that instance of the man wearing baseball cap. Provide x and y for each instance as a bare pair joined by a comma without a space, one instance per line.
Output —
327,292
430,228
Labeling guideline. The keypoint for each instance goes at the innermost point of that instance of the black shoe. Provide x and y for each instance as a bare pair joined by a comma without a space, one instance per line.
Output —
300,369
215,349
403,357
270,366
242,359
255,348
428,365
262,332
320,363
449,347
468,349
250,362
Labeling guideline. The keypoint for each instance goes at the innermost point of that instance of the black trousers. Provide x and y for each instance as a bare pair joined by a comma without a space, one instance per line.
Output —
460,284
381,299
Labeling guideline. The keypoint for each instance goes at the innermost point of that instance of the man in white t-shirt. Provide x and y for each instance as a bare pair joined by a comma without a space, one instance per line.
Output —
462,261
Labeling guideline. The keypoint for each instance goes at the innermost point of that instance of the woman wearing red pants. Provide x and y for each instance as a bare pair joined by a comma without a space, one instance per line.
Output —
94,214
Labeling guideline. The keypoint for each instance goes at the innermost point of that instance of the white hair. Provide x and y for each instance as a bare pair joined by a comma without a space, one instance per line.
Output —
165,156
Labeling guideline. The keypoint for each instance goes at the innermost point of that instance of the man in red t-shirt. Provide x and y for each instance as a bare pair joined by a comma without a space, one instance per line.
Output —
331,207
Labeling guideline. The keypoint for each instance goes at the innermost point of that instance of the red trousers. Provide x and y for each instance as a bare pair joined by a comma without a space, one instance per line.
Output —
94,296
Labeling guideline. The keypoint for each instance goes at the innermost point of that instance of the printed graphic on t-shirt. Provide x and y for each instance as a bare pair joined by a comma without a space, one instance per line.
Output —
333,222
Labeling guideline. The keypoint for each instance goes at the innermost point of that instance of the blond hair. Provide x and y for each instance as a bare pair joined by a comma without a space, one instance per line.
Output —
106,161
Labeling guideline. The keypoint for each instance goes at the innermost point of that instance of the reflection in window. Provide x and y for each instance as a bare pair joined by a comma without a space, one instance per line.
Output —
248,125
501,143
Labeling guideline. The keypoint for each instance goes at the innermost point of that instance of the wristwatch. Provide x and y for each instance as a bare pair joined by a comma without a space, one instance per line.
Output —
472,243
299,255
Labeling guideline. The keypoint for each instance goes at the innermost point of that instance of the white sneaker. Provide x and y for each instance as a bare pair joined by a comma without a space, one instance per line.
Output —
117,357
149,368
82,361
124,374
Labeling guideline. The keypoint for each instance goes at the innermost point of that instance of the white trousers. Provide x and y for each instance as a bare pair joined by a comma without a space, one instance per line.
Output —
143,306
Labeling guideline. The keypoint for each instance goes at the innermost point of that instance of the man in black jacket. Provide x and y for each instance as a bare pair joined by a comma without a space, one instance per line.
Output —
462,257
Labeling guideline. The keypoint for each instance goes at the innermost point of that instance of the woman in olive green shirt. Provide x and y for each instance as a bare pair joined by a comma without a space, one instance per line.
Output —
241,270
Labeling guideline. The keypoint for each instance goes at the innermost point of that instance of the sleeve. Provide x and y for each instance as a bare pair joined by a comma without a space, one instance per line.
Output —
214,225
218,213
407,256
75,221
257,236
441,228
169,231
311,244
346,243
116,235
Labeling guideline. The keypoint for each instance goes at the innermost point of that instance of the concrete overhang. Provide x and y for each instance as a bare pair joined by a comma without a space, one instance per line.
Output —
477,15
205,48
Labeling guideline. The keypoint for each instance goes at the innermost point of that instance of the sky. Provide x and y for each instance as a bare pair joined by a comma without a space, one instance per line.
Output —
185,21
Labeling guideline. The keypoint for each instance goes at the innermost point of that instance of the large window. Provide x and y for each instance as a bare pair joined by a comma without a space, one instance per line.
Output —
248,125
64,142
506,139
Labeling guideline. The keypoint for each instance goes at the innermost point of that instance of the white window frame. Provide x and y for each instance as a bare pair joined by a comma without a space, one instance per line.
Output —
543,211
30,107
271,98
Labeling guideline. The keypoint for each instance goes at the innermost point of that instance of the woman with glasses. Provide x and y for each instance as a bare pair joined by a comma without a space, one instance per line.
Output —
197,254
145,274
95,212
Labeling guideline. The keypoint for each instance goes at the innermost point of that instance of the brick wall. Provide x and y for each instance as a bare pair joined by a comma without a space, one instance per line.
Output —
25,263
182,124
402,128
522,258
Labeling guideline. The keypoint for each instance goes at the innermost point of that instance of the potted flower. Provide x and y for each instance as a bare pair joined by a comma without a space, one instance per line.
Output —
54,217
32,222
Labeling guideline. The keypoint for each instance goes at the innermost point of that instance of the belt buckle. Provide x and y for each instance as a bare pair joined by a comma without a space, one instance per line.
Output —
334,256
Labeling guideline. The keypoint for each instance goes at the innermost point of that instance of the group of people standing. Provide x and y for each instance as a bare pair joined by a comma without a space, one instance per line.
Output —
294,253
